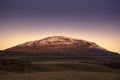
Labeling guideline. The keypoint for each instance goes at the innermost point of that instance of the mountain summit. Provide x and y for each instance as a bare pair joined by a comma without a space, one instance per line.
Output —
60,48
55,44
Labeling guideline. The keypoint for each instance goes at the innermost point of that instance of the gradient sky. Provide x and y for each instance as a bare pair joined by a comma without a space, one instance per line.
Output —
92,20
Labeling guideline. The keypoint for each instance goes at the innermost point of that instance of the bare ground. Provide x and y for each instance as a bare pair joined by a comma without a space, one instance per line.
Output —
62,75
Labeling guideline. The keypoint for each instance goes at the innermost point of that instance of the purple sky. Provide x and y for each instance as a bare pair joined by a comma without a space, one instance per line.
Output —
94,20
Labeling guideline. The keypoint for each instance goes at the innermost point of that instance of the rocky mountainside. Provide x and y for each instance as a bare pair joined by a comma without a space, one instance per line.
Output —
55,44
65,49
64,46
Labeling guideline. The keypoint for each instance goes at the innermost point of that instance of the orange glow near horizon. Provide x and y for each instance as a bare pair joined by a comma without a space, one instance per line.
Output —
105,35
28,20
106,42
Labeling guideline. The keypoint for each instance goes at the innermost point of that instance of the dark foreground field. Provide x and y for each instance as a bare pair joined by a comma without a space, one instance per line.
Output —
69,75
33,66
52,66
59,71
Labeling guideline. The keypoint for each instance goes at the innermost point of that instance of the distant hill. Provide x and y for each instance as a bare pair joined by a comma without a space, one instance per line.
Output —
60,48
61,44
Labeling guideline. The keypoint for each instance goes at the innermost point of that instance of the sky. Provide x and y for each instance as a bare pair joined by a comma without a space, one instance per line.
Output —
93,20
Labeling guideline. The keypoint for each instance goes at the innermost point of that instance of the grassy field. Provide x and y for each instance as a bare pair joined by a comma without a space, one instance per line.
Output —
51,66
63,75
70,66
56,66
62,71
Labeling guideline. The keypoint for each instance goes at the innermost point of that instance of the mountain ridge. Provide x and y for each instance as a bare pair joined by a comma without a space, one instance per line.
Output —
55,42
63,49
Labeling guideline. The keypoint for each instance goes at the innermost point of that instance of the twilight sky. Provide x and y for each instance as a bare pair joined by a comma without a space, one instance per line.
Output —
92,20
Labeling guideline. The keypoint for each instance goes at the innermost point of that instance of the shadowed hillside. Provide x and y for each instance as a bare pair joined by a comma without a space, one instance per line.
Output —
83,55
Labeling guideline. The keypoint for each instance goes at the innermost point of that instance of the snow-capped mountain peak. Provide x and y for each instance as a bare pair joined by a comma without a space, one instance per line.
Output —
55,40
56,43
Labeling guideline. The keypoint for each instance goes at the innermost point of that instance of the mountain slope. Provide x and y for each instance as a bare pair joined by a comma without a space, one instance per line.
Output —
64,45
59,48
53,44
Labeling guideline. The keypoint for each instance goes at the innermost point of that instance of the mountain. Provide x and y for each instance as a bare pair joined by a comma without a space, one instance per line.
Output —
61,44
60,48
54,44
